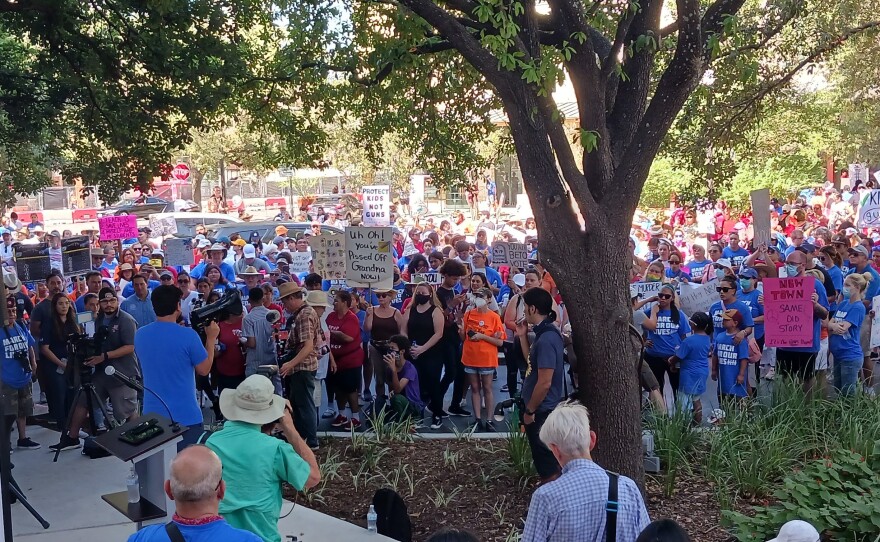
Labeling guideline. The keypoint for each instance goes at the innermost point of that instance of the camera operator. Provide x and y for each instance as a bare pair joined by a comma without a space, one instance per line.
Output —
117,329
169,353
19,363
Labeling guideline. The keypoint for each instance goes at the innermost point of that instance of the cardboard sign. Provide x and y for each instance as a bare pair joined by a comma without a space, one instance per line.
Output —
644,290
875,322
761,216
328,253
377,205
112,228
697,297
788,311
300,263
178,251
429,278
369,262
409,249
76,255
512,254
32,262
869,209
162,225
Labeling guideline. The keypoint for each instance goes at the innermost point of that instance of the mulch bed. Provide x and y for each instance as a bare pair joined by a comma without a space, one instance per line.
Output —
469,483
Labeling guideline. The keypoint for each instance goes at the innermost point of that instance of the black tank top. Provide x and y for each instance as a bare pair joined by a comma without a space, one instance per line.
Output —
384,328
420,326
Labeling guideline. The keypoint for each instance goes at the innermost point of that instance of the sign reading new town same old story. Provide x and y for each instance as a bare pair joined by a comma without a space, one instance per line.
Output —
788,311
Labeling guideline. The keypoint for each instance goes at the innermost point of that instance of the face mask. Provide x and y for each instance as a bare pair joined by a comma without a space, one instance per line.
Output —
421,299
791,270
745,284
846,293
719,273
650,277
479,302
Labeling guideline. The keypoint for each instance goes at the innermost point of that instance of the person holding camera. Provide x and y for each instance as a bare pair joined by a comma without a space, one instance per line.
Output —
403,379
116,331
19,364
259,335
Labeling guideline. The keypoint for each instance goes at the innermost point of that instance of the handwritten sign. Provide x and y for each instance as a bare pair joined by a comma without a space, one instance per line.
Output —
300,263
788,311
112,228
32,261
869,209
512,254
644,290
377,205
369,262
697,297
163,225
409,249
178,251
328,252
761,216
429,278
875,322
76,255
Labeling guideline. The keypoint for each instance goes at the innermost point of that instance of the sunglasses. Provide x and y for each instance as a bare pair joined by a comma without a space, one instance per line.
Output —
166,278
664,296
380,296
183,281
723,289
745,278
675,262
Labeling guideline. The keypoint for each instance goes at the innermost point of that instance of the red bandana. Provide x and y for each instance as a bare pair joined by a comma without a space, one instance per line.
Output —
194,522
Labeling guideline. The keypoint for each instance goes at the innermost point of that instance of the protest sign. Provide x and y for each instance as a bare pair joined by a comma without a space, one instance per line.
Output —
788,311
644,290
178,252
869,209
300,263
32,262
761,215
76,255
409,249
328,252
512,254
377,205
162,225
368,258
429,278
875,322
335,286
112,228
697,297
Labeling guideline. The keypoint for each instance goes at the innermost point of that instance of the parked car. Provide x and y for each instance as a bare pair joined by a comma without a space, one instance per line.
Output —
266,229
185,223
347,206
144,206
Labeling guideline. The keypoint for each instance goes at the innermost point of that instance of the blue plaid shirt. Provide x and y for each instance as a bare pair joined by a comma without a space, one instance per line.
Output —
572,507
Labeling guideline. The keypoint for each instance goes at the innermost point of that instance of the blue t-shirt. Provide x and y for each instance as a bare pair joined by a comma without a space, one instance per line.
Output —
729,357
750,299
697,269
668,334
694,353
399,297
681,273
216,531
845,267
168,354
15,341
836,277
128,291
847,347
736,257
546,353
717,312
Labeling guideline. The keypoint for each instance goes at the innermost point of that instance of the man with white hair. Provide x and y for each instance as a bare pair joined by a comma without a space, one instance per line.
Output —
586,503
196,487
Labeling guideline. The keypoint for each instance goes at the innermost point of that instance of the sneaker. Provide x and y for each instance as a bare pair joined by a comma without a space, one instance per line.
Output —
42,400
474,427
353,424
339,421
329,413
83,434
436,422
27,444
505,388
314,447
66,443
456,410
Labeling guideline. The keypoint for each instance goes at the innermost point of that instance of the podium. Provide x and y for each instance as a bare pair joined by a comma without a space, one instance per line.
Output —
152,462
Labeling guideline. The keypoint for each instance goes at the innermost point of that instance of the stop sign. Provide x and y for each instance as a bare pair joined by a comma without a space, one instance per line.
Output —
180,172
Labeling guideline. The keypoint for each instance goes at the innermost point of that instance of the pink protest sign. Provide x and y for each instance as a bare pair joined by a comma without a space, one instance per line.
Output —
112,228
788,311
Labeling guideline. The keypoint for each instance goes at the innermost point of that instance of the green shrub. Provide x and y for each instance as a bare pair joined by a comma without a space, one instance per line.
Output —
674,443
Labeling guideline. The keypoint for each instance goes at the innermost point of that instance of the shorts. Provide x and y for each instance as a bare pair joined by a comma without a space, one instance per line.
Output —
346,381
18,400
122,398
822,356
685,401
479,370
647,378
801,365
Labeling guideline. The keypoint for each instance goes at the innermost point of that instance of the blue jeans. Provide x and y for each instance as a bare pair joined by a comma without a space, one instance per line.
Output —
846,375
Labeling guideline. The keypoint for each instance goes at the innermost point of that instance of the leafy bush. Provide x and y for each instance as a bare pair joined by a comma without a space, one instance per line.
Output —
839,494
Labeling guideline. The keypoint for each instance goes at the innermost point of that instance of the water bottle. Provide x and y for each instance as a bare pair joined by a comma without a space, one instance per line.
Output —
371,519
133,486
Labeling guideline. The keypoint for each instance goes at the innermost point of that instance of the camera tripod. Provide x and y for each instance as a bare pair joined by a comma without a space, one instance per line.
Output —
86,387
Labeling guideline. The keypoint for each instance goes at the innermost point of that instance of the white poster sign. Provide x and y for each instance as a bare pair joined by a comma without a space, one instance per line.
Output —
178,251
368,258
875,322
300,263
644,290
430,278
697,298
328,252
377,205
869,209
512,254
761,216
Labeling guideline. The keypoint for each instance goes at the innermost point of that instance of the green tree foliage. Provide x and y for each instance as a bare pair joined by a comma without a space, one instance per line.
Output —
664,180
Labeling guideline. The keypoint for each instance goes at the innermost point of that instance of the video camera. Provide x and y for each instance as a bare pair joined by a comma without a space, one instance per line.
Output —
81,347
217,311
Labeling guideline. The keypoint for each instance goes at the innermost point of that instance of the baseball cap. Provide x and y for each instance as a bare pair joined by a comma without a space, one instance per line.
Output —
203,243
239,242
280,230
249,251
723,262
701,320
166,273
224,240
861,250
807,248
519,279
278,239
106,293
749,273
733,314
839,239
797,530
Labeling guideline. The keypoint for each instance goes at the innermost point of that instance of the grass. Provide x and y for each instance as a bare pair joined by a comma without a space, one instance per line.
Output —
519,454
675,441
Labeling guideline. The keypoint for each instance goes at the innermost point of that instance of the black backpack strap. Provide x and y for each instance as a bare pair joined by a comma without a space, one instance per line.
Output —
611,508
173,532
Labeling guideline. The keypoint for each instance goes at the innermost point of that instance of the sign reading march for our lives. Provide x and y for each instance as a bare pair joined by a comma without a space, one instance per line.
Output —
377,205
788,311
869,209
368,258
113,228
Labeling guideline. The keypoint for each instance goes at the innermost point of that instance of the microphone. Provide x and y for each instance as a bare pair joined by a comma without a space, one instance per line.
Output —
135,385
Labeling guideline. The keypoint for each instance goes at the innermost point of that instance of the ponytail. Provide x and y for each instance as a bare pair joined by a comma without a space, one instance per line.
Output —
552,316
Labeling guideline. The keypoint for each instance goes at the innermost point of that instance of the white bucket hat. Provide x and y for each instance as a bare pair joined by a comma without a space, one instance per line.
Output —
253,401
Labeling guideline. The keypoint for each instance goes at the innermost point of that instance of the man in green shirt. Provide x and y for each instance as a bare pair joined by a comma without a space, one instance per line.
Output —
255,463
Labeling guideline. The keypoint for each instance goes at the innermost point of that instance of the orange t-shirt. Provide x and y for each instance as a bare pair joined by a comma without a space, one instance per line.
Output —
548,283
481,353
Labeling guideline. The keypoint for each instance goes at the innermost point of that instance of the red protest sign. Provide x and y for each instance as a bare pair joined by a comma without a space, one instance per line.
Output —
112,228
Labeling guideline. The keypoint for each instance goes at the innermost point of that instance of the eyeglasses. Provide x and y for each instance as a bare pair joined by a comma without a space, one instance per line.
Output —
380,296
723,289
664,296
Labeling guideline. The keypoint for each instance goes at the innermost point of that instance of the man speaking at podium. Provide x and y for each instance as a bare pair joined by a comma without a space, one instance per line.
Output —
168,353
